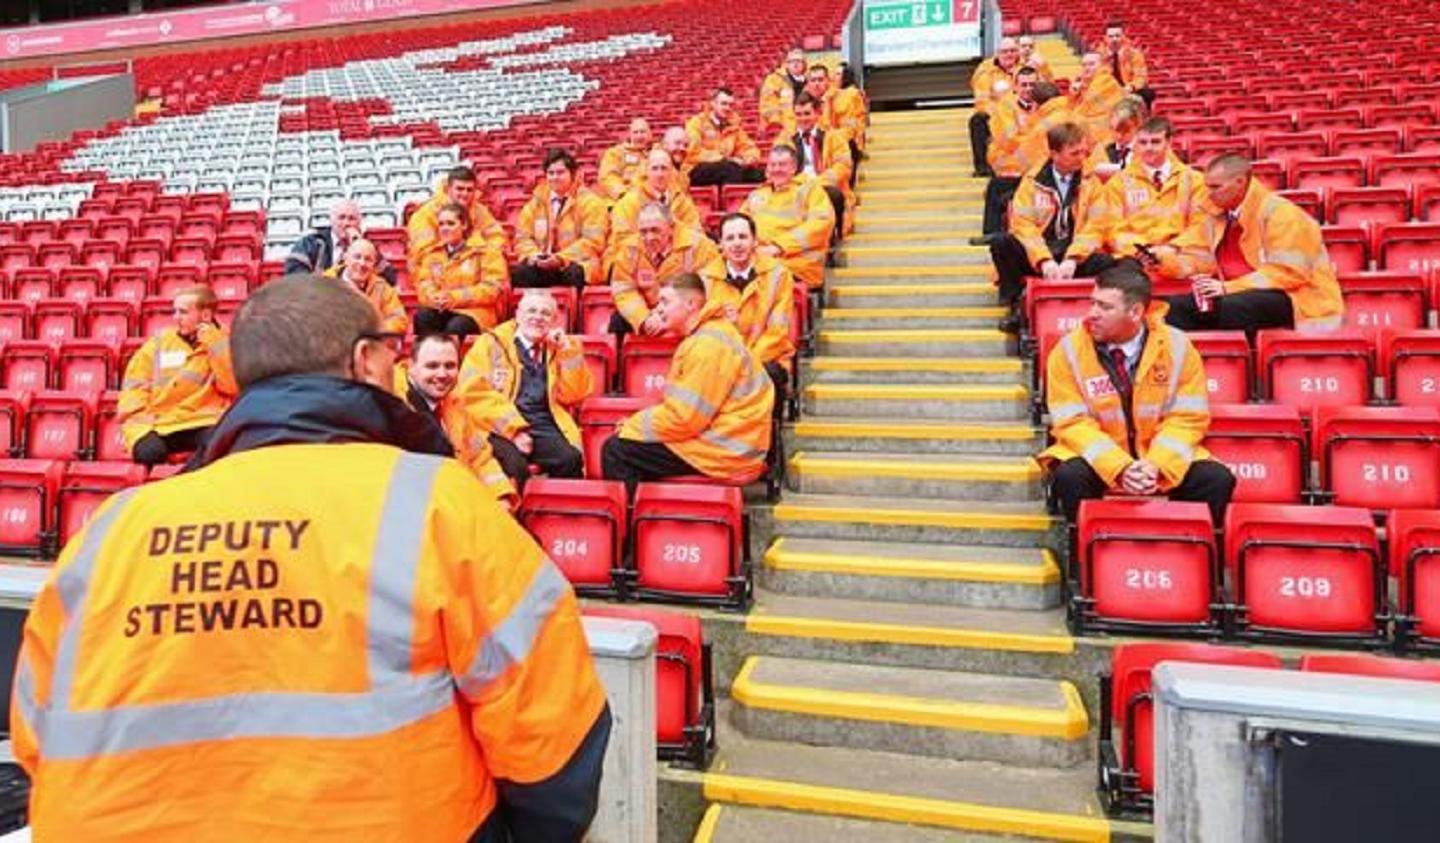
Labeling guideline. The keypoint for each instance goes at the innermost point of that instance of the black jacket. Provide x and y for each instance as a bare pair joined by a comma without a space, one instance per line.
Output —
315,252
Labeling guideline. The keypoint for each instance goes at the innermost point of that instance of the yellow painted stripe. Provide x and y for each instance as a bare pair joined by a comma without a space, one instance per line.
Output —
868,430
916,250
1020,470
937,272
759,623
706,832
862,804
979,312
863,216
1065,723
952,519
909,290
918,335
991,365
782,558
899,201
863,237
935,392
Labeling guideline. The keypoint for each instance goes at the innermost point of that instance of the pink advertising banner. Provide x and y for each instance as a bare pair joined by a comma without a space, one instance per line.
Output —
160,28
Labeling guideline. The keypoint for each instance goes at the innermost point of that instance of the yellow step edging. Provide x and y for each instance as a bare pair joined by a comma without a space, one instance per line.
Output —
956,432
1067,723
706,832
1017,470
1047,572
887,807
953,519
918,392
918,335
880,251
975,312
860,238
954,288
938,272
884,203
923,636
975,365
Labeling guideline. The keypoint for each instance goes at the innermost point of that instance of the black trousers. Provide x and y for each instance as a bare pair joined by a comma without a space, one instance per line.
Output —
153,449
551,451
619,325
429,320
837,201
998,194
1147,94
855,154
526,275
780,377
1013,265
636,462
980,142
725,172
1208,482
1248,311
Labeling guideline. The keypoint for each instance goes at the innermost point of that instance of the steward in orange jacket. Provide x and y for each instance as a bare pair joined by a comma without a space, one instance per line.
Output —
660,251
779,90
720,150
758,293
657,185
620,163
324,629
360,272
459,185
1129,404
794,216
715,418
849,111
461,281
1093,98
178,383
824,154
1125,60
1151,201
560,233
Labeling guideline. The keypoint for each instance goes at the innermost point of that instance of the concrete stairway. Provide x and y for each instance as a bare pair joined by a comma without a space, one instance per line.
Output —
903,674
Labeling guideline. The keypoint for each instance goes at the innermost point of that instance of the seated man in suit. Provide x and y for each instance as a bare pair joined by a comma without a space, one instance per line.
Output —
824,155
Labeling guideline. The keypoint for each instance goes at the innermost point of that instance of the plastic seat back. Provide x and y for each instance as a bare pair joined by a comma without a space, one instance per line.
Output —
598,419
1354,664
1410,364
1263,445
57,425
644,365
680,692
581,524
86,485
1383,301
688,539
1228,370
597,305
1379,457
1315,370
1148,562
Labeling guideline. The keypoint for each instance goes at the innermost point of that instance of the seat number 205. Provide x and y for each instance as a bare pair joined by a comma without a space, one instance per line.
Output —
681,553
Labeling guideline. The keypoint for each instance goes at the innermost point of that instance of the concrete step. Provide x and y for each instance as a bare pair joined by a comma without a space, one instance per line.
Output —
921,315
926,276
894,291
946,198
968,210
965,796
956,402
942,714
929,476
896,120
959,236
964,224
949,575
956,155
915,255
743,824
919,173
921,146
914,436
924,370
973,342
870,518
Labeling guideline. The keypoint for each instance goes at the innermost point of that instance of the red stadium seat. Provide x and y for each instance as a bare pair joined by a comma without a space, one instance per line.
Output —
28,364
27,506
156,314
1379,457
102,254
1127,764
644,364
86,485
31,285
1409,247
1286,146
581,525
58,425
1300,572
600,357
80,284
1264,446
1385,141
1315,370
599,417
1348,246
1354,664
1427,203
13,404
54,256
1327,173
1228,370
1311,200
87,365
171,278
1373,205
232,280
1407,170
131,282
684,688
109,443
1146,564
57,320
1414,541
111,320
1383,301
596,306
690,543
1410,364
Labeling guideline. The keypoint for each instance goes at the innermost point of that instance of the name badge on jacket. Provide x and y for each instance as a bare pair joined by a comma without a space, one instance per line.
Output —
1099,387
172,359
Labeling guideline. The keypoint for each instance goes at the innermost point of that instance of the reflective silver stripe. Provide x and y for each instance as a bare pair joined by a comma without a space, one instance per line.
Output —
1185,451
1065,412
85,734
132,383
190,376
394,562
1097,449
72,585
570,364
646,419
719,334
1260,281
1179,348
1073,357
1289,257
510,641
1319,324
689,398
733,446
1190,404
25,693
1147,411
756,379
1112,415
155,360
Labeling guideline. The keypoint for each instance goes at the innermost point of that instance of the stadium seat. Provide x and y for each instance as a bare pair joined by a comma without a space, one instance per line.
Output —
156,314
87,365
57,320
1403,171
109,443
1373,205
1264,446
1408,247
1304,573
581,524
600,357
1228,370
30,285
1348,246
644,363
131,283
596,306
86,485
1427,203
1413,537
1354,664
27,506
58,425
1307,370
80,284
1327,173
690,544
1127,761
1146,564
111,320
1379,457
1311,200
1383,301
598,419
28,364
13,404
684,687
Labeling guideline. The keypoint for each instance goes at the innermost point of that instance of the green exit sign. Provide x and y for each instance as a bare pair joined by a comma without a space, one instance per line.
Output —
908,15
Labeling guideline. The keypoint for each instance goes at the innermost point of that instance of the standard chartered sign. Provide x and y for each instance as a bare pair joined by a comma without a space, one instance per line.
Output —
921,32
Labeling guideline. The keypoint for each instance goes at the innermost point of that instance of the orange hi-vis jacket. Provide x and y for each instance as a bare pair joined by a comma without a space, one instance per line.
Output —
1283,243
475,277
1092,105
576,234
764,310
1169,408
718,402
490,383
472,448
171,385
1018,141
381,295
319,641
421,227
618,166
1133,73
849,113
1136,213
1035,204
983,83
711,144
625,215
777,97
636,277
799,219
835,165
